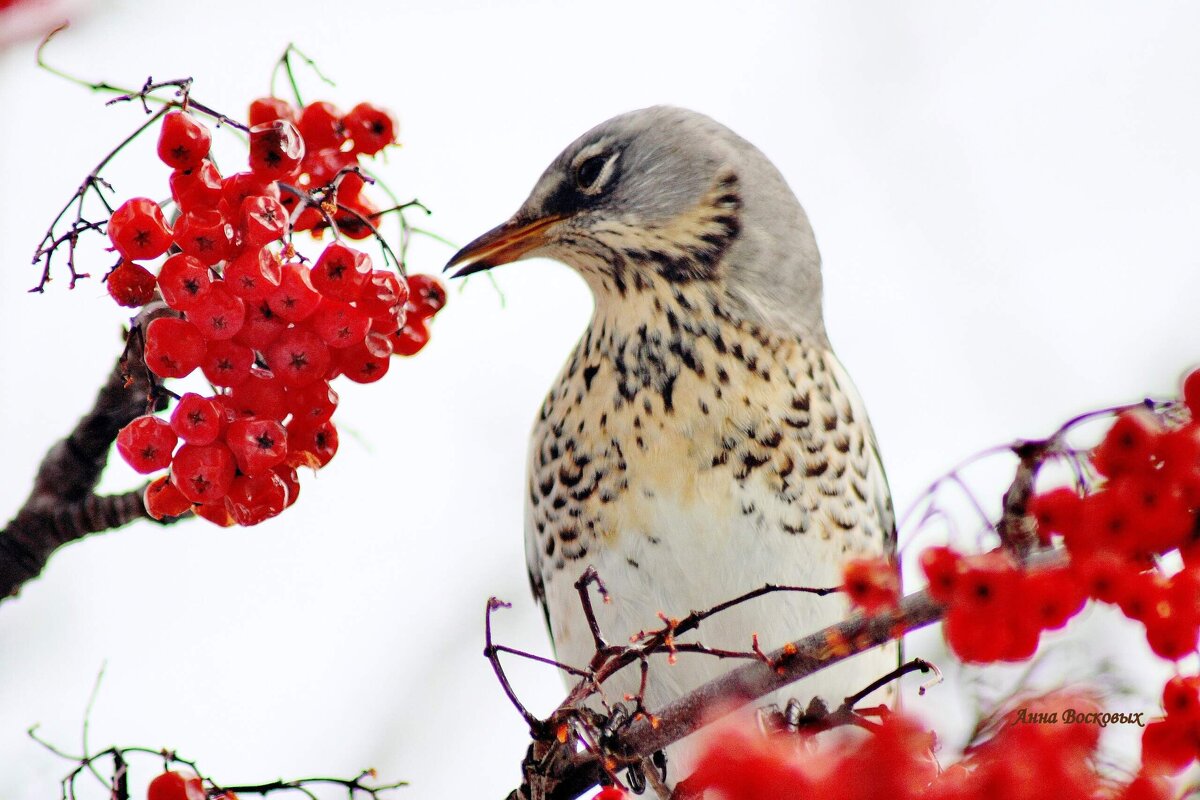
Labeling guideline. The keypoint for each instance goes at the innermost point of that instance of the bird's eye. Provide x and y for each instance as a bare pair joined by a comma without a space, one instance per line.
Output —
589,171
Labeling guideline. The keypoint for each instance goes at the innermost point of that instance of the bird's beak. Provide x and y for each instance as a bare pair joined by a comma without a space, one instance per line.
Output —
502,245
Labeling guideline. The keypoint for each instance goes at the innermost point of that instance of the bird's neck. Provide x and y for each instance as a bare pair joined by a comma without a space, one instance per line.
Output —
650,339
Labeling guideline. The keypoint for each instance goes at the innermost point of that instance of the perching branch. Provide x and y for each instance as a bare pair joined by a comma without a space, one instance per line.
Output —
63,506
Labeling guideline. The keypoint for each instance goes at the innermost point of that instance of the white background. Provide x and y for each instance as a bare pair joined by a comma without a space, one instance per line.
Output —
1006,197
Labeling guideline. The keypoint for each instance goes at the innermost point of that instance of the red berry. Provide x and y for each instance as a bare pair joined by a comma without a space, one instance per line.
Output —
238,187
263,220
320,124
173,347
1101,575
367,361
183,280
220,314
1171,635
269,109
197,188
427,295
183,142
276,149
203,472
261,395
409,340
227,363
255,498
138,229
257,444
339,324
1191,393
942,566
312,404
611,793
1050,597
196,420
163,500
146,444
298,357
341,272
1130,443
872,584
175,786
1181,698
205,234
215,512
1056,511
1167,747
371,127
290,480
262,326
321,166
310,446
295,298
382,290
254,274
130,284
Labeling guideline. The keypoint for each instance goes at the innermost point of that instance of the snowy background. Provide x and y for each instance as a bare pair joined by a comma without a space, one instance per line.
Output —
1006,197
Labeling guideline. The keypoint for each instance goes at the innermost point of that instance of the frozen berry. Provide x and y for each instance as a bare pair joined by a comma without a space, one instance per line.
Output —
183,280
205,234
276,149
131,285
254,498
138,229
220,314
182,142
367,361
196,419
163,500
409,340
257,444
295,298
203,472
339,324
227,363
321,126
427,295
173,347
197,188
146,444
254,274
341,272
371,127
263,219
311,446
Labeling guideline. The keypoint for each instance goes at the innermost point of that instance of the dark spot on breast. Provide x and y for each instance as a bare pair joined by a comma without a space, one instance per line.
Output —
589,373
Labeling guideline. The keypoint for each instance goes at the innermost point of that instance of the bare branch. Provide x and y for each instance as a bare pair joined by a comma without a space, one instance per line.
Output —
63,506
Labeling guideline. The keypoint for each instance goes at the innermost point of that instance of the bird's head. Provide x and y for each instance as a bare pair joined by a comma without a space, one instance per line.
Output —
664,196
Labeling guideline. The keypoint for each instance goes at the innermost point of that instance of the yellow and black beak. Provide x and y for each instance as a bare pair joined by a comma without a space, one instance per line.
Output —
502,245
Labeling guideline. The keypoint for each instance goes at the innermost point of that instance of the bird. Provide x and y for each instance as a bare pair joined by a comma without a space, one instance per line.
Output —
702,439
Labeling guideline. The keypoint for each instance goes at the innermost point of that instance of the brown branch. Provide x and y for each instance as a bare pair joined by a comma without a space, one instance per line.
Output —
739,687
63,506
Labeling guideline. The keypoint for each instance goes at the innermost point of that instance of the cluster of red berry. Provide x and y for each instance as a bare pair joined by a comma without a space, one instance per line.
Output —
1021,760
268,331
1114,537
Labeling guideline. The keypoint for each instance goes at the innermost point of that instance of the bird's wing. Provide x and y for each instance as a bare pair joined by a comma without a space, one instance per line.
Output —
877,493
533,553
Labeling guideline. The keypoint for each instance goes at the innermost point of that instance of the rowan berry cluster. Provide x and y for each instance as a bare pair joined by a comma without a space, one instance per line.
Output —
1020,760
268,330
